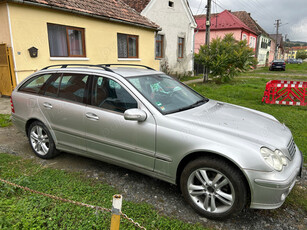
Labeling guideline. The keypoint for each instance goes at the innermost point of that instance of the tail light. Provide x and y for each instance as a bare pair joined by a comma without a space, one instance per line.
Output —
12,106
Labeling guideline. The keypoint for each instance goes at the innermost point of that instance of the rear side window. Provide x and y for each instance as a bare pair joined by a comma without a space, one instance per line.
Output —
35,84
53,88
73,87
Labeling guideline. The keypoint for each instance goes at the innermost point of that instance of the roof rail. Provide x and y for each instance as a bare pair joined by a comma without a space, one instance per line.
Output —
109,65
85,65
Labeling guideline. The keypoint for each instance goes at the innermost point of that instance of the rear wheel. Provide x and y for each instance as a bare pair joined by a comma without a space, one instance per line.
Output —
41,140
213,188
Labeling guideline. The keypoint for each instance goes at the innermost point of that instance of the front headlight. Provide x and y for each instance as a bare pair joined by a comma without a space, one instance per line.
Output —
276,159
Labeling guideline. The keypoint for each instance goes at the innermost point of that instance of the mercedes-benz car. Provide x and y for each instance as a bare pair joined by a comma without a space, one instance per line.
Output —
223,157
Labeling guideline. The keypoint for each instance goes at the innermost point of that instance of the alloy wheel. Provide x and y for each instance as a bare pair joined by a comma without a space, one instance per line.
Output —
39,140
211,190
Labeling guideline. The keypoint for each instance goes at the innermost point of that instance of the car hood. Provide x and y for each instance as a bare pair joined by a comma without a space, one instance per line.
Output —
228,119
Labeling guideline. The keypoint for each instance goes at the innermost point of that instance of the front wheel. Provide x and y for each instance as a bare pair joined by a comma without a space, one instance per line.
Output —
41,140
213,187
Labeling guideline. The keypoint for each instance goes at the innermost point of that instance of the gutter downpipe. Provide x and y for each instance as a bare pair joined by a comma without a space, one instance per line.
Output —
83,13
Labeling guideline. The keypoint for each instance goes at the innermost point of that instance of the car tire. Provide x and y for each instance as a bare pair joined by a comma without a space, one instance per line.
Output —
41,141
213,187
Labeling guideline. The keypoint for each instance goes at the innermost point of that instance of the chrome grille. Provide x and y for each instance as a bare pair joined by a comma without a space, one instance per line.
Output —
291,148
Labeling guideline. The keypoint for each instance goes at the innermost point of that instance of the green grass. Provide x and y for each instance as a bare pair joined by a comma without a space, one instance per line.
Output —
298,198
249,92
273,76
5,120
297,68
24,210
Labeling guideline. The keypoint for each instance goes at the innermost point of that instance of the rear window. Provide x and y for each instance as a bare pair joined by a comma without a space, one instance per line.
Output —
34,84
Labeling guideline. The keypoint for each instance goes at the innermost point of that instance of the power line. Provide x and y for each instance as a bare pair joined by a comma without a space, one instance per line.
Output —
199,6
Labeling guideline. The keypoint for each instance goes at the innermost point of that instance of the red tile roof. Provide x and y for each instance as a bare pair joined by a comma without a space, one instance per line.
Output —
250,22
113,10
298,48
223,20
138,5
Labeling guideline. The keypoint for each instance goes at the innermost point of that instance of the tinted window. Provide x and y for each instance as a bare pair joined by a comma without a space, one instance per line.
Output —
73,87
35,84
110,95
53,87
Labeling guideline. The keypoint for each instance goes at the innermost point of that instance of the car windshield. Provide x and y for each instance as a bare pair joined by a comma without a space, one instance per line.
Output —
167,94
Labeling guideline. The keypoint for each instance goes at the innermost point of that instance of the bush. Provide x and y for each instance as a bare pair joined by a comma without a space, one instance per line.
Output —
226,58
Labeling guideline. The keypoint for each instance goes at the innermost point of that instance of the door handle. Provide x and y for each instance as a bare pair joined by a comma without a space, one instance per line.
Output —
92,116
47,105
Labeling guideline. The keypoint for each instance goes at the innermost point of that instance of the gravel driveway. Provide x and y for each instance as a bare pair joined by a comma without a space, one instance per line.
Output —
164,197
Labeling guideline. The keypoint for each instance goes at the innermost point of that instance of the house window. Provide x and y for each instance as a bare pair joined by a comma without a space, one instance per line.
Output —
244,37
180,47
159,46
65,41
252,42
170,3
264,43
127,46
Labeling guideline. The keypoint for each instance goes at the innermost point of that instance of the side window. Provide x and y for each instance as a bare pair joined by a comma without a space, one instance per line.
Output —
73,87
108,94
180,47
35,84
53,87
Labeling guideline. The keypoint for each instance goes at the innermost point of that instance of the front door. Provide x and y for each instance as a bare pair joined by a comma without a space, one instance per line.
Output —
112,138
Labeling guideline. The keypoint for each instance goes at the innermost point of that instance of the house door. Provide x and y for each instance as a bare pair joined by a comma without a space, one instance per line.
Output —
267,59
7,74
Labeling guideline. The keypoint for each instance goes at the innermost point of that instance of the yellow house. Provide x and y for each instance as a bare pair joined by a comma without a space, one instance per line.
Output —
293,51
42,33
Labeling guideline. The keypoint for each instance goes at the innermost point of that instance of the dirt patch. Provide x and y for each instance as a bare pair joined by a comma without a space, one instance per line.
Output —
5,105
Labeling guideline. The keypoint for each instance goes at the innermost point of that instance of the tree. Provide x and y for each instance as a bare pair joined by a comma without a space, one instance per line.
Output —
226,57
302,54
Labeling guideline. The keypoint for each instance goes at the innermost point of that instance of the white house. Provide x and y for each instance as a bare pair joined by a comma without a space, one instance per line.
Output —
264,49
174,43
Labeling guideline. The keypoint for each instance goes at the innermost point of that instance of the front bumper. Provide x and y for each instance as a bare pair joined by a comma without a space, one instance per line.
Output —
270,189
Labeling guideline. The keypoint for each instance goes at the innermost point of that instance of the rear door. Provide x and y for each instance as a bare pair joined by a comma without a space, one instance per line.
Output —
112,138
63,105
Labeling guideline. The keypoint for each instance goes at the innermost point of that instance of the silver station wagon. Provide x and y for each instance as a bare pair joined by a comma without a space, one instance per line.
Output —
224,157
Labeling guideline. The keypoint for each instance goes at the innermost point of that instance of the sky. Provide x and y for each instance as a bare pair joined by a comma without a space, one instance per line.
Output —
292,13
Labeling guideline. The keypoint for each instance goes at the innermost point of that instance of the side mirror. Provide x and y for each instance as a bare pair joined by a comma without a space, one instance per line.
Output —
135,115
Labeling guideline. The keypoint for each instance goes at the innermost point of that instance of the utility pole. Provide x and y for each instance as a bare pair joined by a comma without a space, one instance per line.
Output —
208,24
276,46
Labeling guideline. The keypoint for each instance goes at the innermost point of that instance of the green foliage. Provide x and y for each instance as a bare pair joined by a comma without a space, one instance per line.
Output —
5,120
302,54
24,210
226,57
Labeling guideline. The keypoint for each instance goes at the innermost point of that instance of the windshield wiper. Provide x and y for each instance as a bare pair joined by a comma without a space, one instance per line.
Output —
197,103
